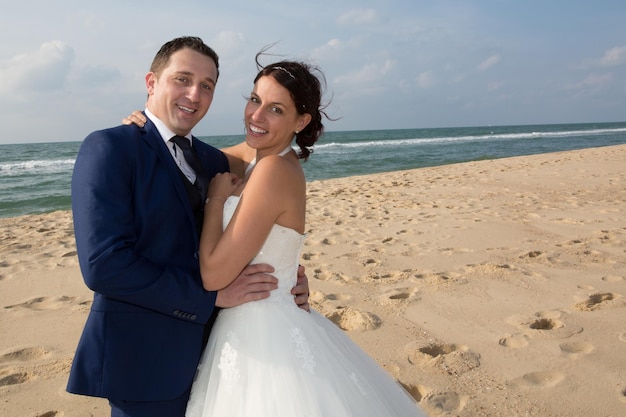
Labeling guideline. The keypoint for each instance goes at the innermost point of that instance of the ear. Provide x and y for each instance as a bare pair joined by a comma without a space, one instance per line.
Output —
303,122
150,81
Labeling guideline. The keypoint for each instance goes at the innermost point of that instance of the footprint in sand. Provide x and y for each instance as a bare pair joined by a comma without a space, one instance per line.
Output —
575,349
10,376
515,341
613,278
338,297
330,276
13,378
418,392
542,379
350,319
310,255
400,294
531,254
548,324
437,279
453,359
622,337
370,262
51,414
445,402
320,297
24,354
599,301
49,303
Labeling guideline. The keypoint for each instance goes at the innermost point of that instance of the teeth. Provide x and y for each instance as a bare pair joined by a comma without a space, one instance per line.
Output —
186,109
255,129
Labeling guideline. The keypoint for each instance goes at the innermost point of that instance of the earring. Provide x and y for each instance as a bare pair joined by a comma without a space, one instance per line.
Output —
297,131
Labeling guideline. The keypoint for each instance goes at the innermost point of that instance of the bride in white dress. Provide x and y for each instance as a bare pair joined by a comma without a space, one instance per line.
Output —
270,358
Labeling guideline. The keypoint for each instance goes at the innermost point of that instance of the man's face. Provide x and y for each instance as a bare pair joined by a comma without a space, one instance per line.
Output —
182,93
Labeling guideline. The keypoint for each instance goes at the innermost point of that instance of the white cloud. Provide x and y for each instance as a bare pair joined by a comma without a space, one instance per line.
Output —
592,81
227,42
358,17
43,70
329,47
614,57
369,73
488,63
425,80
495,85
94,76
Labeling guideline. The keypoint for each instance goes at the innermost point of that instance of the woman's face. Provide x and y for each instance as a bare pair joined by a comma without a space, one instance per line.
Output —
271,118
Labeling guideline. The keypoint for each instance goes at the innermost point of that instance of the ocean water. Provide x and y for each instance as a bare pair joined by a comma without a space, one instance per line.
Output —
35,178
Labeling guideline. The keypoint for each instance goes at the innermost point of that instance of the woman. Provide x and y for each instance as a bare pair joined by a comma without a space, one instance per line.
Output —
271,358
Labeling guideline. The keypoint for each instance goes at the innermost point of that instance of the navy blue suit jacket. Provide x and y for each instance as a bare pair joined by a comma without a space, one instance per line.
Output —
137,246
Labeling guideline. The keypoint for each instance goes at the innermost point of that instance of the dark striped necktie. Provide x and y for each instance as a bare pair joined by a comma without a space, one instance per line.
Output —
192,159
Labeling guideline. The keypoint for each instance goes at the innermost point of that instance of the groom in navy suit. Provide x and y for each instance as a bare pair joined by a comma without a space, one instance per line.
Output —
138,206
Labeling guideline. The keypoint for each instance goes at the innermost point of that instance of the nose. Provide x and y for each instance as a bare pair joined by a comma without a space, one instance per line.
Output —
193,93
260,112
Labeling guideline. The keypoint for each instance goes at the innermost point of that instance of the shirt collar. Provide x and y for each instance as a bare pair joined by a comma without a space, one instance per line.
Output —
164,131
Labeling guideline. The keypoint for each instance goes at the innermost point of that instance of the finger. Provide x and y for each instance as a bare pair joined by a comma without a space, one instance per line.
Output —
305,306
261,287
256,296
301,299
299,289
257,269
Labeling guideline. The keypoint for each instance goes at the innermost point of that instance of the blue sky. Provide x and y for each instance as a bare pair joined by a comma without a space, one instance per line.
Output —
68,68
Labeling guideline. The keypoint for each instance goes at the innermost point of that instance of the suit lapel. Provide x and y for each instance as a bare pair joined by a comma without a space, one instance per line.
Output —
154,140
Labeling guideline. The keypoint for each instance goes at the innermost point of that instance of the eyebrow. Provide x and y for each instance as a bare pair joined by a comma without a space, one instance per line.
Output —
274,103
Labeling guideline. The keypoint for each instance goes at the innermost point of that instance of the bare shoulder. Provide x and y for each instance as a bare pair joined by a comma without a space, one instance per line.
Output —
276,174
239,156
278,165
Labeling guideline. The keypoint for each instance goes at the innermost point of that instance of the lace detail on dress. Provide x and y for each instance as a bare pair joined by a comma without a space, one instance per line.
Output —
228,362
303,350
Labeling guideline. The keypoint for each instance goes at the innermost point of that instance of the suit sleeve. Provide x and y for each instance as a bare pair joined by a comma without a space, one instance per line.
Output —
130,246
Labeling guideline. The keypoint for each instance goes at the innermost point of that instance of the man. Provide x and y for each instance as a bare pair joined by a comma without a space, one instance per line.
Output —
138,206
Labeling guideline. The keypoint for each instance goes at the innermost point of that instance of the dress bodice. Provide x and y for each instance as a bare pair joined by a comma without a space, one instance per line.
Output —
281,250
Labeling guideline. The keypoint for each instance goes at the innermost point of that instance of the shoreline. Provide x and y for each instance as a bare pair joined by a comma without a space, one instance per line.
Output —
491,288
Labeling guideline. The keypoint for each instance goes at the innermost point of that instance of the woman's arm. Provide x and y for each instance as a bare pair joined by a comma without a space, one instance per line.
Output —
274,194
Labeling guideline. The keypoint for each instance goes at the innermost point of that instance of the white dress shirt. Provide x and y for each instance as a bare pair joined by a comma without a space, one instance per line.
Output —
166,135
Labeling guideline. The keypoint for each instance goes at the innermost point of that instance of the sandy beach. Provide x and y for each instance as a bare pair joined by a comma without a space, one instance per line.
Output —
493,288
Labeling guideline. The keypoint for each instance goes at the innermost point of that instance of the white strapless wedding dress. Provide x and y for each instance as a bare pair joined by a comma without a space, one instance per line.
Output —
270,358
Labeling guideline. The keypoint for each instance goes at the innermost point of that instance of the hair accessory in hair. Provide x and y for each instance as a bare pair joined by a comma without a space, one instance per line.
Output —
286,70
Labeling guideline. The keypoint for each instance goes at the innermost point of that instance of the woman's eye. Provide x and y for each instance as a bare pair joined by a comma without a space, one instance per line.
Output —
277,110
